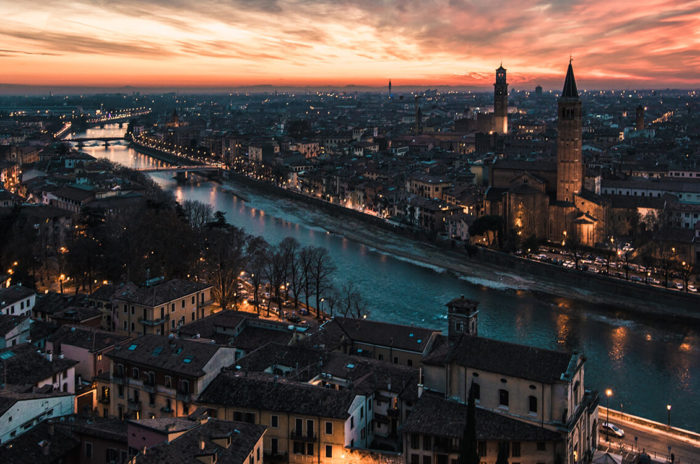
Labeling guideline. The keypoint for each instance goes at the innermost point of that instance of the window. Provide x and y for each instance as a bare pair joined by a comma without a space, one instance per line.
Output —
329,428
250,417
352,422
120,391
533,404
541,446
88,449
503,397
309,449
362,412
274,421
238,416
193,315
183,302
415,459
329,451
427,460
427,443
151,399
481,448
257,453
409,363
168,382
396,360
192,299
415,441
515,449
135,372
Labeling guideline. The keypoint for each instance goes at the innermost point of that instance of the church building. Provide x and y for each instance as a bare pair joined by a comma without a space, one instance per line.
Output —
546,201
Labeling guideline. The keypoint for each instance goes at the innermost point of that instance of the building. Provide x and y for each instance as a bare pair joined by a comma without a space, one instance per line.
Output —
500,102
209,441
20,412
433,432
14,330
99,440
17,300
159,376
394,343
160,308
569,141
26,370
306,423
540,387
640,118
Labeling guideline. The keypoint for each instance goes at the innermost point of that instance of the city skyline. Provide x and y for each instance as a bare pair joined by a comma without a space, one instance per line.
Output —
648,44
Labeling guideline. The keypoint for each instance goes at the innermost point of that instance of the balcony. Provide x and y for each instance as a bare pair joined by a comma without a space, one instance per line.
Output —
298,436
104,399
154,322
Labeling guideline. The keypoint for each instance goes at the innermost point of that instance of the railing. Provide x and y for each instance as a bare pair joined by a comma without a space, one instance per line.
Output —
298,436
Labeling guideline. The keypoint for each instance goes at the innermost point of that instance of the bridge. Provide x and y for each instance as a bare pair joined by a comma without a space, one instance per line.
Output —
81,140
185,169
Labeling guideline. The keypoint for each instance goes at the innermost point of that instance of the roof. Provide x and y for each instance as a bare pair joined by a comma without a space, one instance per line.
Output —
84,337
489,355
13,294
570,90
402,337
31,446
77,314
169,354
166,424
26,367
435,415
213,434
8,398
53,302
109,429
7,323
270,393
160,293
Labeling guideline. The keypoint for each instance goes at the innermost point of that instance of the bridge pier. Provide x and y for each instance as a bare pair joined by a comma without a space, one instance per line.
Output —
81,145
121,125
106,143
181,176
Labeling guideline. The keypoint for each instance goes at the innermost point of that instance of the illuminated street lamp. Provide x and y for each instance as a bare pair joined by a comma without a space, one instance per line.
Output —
668,408
608,394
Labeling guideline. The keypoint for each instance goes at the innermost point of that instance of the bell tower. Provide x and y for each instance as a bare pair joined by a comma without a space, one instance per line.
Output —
500,102
569,143
462,318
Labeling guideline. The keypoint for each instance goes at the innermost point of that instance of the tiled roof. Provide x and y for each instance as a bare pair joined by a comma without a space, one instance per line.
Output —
14,294
39,446
269,393
403,337
85,337
213,434
435,415
24,366
489,355
168,354
8,323
161,293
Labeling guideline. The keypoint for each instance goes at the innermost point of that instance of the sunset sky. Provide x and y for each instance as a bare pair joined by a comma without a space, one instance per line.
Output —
614,43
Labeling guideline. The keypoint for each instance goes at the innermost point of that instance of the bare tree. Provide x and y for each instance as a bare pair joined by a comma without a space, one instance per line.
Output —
352,304
257,252
224,256
289,248
197,214
274,273
306,259
322,269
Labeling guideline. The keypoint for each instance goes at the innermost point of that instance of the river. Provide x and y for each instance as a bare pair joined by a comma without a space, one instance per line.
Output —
647,365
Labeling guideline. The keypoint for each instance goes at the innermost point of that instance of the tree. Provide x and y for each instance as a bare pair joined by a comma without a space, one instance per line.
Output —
224,256
197,214
289,247
502,457
306,257
351,302
468,453
322,269
257,252
485,225
274,273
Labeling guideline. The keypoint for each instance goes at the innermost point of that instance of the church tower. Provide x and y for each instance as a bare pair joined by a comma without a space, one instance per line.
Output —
569,154
500,102
640,118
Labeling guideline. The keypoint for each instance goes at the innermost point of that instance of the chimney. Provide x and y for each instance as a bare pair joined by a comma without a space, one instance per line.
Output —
144,450
420,390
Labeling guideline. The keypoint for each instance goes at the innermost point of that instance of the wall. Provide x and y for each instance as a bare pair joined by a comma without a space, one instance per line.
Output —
27,411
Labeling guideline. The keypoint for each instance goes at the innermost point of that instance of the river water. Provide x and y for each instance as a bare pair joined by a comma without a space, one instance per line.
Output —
648,365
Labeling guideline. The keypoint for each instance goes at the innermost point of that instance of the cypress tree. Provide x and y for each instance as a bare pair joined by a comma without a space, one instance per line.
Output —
502,453
468,451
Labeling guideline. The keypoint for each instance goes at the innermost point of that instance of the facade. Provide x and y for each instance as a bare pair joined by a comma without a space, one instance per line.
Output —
20,412
534,386
17,300
306,423
500,102
160,308
158,376
27,370
14,330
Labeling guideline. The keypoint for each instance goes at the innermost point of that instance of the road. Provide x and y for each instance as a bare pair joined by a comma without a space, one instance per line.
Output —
653,442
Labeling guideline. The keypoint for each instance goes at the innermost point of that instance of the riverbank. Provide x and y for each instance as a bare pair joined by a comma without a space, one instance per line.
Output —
492,268
487,267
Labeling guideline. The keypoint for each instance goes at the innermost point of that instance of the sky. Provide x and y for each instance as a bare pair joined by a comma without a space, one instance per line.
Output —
220,43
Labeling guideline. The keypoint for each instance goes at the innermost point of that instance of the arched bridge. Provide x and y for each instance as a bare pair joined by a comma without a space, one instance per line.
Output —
196,167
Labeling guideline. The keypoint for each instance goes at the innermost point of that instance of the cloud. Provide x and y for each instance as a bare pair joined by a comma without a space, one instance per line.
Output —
451,41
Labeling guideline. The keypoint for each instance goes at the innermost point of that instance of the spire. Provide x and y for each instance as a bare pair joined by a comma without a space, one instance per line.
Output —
570,90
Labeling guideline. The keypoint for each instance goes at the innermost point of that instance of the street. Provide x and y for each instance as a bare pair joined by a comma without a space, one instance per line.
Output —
653,442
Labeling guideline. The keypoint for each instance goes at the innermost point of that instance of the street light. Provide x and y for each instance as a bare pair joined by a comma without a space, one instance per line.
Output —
608,394
668,408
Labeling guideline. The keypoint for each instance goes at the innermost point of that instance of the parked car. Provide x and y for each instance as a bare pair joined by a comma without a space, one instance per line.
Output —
692,288
611,429
293,318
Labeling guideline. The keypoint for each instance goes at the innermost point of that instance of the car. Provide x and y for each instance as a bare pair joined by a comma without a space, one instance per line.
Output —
611,429
679,285
293,318
692,288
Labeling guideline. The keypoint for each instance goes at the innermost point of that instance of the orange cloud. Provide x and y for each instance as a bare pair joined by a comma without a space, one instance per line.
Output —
624,43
